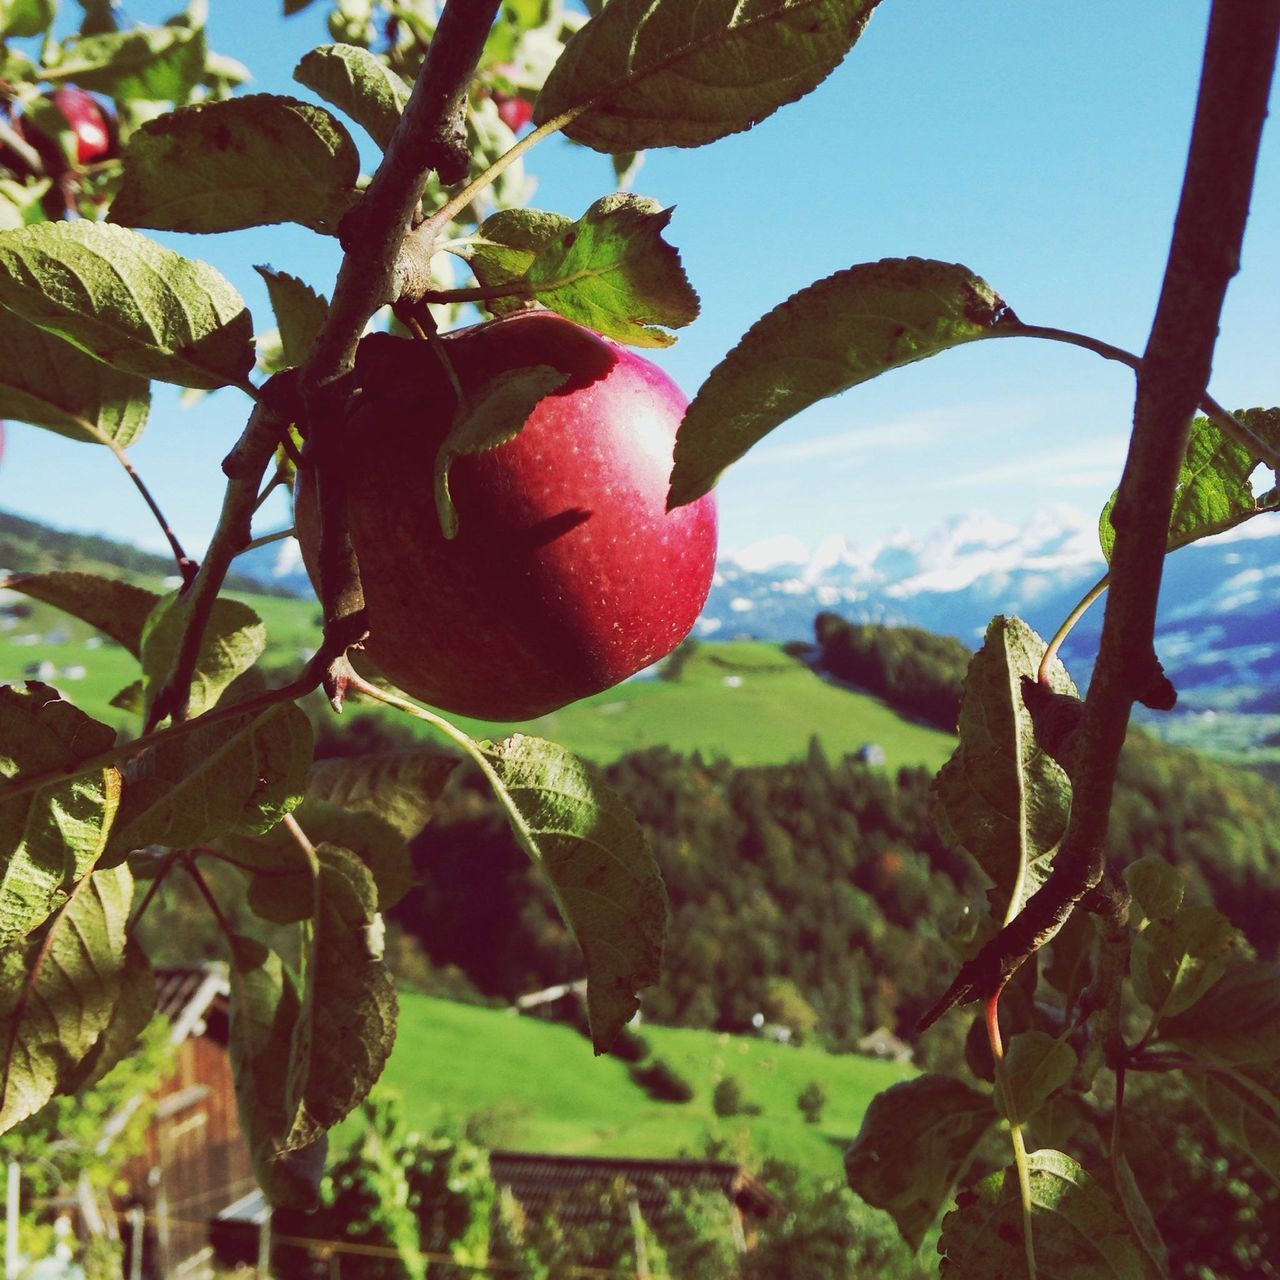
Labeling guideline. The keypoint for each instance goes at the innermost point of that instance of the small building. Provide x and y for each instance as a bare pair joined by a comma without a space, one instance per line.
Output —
882,1043
871,753
196,1161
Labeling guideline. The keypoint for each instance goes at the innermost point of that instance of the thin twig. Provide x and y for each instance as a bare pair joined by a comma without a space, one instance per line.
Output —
1260,448
187,567
1238,65
267,539
244,467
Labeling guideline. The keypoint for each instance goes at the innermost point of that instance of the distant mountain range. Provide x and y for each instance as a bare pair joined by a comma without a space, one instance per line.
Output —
1219,625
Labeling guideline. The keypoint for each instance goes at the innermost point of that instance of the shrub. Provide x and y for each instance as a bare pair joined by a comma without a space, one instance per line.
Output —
662,1082
812,1101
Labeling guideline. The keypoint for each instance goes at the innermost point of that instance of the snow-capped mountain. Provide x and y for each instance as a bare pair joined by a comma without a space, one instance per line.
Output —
1219,623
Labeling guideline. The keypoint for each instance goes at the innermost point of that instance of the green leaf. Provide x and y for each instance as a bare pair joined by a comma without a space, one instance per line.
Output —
488,417
1213,493
1001,796
1078,1233
233,641
117,609
240,775
505,247
300,314
1142,1224
49,838
832,335
1237,1020
269,1043
20,18
357,82
49,383
613,272
58,992
664,73
134,1007
399,787
916,1141
352,999
1037,1065
128,301
1156,884
245,162
155,64
1243,1105
1174,962
596,858
280,881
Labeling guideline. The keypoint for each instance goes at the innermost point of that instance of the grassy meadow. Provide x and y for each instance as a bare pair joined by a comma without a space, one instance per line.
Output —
536,1086
747,701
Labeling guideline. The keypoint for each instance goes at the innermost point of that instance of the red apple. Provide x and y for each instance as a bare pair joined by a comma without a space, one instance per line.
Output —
85,117
567,573
514,112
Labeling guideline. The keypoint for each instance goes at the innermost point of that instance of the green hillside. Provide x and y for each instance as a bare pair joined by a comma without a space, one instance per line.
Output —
746,701
543,1090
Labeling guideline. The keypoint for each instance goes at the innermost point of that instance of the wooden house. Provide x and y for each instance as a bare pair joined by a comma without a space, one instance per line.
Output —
196,1161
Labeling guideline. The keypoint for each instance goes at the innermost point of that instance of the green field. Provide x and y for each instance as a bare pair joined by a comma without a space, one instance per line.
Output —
747,701
543,1090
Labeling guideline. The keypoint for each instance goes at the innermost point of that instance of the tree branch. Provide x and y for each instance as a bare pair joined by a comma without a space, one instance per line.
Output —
1239,62
376,269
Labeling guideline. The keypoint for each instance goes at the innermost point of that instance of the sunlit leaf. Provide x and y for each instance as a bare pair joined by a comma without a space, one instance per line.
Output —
357,82
1175,961
1001,796
58,992
1077,1230
505,247
1156,884
155,64
664,73
300,314
117,609
611,271
1037,1066
132,1011
49,383
917,1139
232,643
236,776
599,865
244,162
128,301
26,17
51,836
1213,493
832,335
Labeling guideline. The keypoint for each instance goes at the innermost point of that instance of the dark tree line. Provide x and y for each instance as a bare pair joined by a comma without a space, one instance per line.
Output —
917,672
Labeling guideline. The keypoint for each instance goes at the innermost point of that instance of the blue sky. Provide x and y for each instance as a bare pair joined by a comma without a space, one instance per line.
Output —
1042,146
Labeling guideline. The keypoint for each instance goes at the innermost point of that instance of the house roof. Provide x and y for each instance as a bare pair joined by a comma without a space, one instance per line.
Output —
545,1182
184,994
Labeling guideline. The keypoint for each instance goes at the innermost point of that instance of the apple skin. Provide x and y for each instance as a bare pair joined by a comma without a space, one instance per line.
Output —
514,112
86,117
567,573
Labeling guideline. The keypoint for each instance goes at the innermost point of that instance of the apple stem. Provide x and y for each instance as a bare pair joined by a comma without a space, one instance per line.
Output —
481,293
